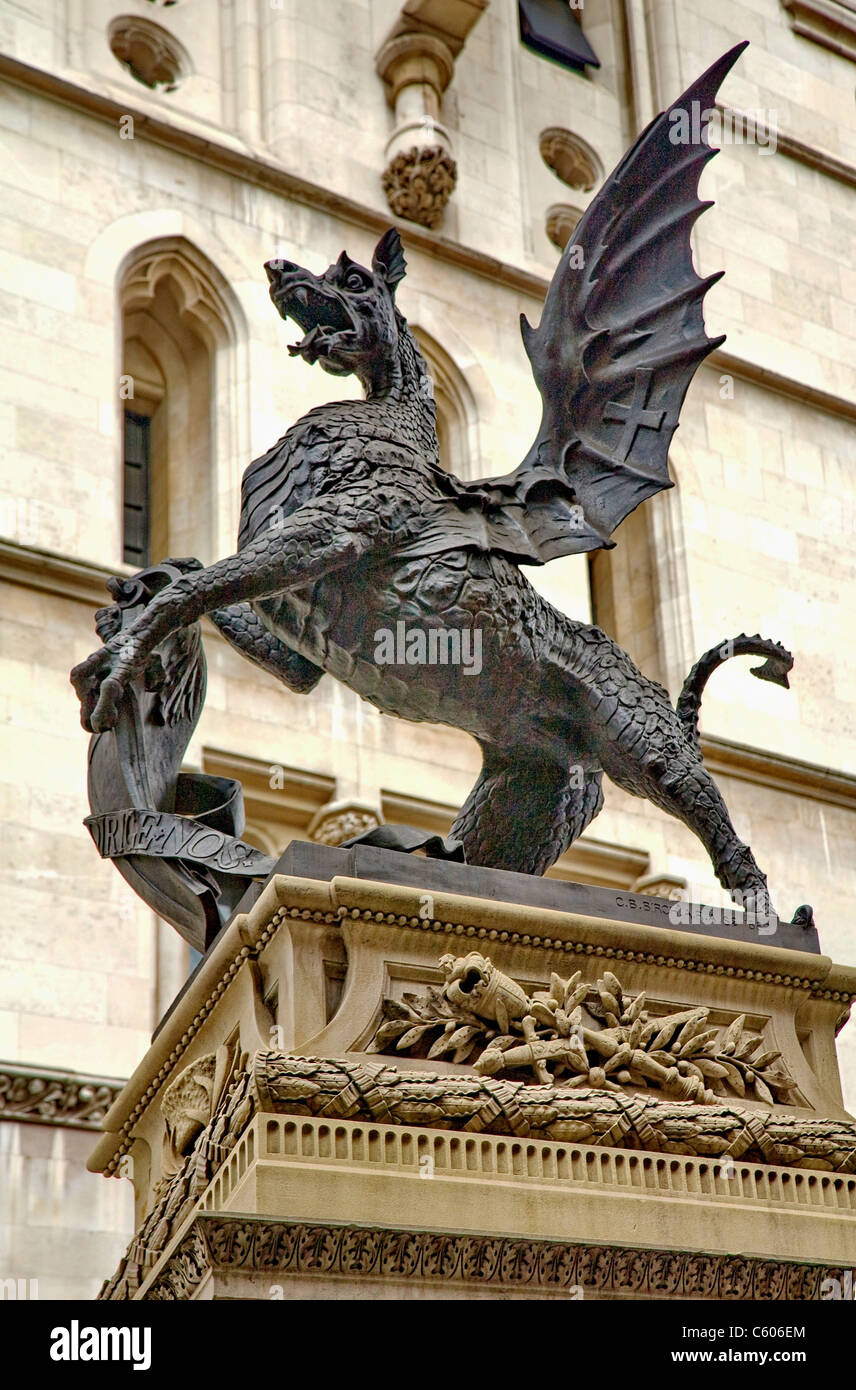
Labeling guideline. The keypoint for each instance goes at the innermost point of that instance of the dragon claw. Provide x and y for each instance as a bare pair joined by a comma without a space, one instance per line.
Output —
100,682
106,712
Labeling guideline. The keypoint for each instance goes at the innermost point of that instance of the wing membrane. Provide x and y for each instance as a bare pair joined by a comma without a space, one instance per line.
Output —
621,335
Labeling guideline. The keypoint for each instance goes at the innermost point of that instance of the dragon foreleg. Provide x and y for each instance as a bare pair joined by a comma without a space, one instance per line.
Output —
244,630
317,539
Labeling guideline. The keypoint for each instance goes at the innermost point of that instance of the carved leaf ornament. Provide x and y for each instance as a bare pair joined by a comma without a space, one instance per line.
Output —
582,1034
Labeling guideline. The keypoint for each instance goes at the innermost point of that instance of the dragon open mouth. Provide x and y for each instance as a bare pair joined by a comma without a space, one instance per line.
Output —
317,309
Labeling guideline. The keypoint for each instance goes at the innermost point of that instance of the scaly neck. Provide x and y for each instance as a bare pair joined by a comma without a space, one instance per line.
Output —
410,392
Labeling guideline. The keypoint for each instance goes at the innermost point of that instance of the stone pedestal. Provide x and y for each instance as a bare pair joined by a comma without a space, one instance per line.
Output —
380,1089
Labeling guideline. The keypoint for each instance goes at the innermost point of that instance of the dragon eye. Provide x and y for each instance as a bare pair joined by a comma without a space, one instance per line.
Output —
354,281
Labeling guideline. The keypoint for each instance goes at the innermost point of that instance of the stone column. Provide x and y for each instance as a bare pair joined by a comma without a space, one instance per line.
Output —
420,171
416,62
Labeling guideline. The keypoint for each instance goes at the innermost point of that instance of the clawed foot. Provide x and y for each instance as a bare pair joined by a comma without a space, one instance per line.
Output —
101,681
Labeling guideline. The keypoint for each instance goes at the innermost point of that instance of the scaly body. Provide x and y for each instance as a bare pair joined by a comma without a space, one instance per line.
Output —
350,527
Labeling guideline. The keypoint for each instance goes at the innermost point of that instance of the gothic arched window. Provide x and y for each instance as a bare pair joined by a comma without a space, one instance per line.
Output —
639,590
175,325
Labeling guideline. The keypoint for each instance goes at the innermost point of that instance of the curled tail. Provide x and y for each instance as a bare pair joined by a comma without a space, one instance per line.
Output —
775,668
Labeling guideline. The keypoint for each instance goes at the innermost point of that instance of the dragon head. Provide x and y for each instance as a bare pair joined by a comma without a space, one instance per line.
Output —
348,314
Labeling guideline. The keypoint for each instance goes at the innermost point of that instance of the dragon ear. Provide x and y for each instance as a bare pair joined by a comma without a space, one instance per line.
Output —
388,259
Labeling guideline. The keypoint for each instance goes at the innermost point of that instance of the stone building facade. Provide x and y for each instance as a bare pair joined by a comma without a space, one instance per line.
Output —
154,155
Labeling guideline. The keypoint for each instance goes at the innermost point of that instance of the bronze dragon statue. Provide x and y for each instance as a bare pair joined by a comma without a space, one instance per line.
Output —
350,525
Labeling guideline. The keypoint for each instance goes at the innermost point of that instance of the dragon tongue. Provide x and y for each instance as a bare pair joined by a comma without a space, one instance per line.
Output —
299,349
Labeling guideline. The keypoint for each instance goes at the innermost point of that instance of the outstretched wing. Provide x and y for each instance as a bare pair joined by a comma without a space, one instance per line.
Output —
621,334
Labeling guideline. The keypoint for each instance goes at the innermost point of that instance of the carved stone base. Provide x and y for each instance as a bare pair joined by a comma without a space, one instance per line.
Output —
270,1150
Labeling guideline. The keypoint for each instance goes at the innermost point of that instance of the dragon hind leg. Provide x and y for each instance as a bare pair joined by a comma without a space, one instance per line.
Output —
682,786
524,811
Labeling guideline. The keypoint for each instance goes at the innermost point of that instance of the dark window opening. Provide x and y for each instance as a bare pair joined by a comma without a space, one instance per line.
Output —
137,497
550,28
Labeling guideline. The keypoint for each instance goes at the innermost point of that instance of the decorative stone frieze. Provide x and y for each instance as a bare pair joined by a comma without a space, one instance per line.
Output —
343,1097
270,1250
477,1105
595,1034
47,1097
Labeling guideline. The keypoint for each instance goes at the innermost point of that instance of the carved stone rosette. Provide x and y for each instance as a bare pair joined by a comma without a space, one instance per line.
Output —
419,182
416,64
339,821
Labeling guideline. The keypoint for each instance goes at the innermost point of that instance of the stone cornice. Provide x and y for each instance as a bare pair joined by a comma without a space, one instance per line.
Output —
297,797
267,173
242,1244
812,396
793,147
788,775
541,928
42,1096
236,159
830,23
80,580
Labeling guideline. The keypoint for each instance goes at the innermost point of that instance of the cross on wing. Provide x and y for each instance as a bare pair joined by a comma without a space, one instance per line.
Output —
635,415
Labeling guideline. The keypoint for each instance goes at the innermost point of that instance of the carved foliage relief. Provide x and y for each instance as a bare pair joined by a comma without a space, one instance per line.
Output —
585,1035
